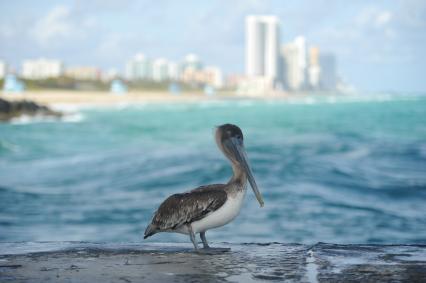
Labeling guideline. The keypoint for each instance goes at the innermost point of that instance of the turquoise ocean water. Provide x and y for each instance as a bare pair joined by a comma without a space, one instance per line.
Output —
331,169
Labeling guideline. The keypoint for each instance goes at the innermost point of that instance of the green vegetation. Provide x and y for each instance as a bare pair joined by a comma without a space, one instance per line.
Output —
66,83
149,85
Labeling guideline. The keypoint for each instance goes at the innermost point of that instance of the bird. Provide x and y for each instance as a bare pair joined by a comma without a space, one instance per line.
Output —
210,206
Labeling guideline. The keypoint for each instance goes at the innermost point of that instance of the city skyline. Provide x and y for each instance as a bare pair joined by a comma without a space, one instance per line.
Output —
273,66
384,38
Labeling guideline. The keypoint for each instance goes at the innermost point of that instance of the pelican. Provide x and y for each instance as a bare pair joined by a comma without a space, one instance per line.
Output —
210,206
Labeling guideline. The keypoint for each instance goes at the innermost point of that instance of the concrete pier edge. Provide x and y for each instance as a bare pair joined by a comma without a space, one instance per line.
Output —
177,262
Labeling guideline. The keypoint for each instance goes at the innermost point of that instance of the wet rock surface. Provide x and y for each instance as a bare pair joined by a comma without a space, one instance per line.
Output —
13,109
89,262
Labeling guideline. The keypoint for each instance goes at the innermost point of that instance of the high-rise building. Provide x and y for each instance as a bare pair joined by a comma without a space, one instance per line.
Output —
314,69
294,57
193,62
3,69
314,53
328,78
262,46
160,70
42,69
291,74
300,42
173,70
139,68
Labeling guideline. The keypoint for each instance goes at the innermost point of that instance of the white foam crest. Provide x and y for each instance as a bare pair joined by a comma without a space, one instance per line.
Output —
26,119
67,118
67,108
9,146
73,118
343,98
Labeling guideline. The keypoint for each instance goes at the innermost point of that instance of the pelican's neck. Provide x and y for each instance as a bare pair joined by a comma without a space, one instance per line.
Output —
239,177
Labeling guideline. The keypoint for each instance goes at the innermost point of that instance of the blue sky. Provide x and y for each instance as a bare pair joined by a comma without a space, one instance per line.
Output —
380,45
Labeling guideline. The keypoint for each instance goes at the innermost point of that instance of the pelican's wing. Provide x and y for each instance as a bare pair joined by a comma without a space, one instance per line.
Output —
180,209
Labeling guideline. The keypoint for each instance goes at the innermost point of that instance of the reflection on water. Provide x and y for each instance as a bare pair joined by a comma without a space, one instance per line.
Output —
335,170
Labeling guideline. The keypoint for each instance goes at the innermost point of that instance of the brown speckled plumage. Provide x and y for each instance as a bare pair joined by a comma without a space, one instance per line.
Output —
184,208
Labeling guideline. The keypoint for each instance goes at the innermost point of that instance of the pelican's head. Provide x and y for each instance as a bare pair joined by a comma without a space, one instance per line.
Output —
230,140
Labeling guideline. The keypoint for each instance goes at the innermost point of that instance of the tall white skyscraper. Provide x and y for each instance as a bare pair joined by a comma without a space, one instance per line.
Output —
192,62
294,54
292,78
262,46
160,71
173,70
139,68
300,42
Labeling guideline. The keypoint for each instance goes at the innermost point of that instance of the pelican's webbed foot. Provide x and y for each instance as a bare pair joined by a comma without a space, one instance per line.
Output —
207,249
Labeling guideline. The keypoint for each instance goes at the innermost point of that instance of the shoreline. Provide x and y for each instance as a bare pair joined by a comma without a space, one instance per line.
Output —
62,99
95,98
52,97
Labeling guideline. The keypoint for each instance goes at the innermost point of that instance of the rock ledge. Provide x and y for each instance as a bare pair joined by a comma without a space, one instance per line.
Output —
165,262
13,109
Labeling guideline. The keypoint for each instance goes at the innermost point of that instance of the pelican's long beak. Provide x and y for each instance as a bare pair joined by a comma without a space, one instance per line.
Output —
237,148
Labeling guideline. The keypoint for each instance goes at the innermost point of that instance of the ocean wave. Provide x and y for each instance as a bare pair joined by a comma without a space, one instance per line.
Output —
8,146
73,118
325,173
26,119
67,118
338,99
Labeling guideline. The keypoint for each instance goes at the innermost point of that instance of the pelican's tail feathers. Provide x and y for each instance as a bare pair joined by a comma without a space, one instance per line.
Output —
150,230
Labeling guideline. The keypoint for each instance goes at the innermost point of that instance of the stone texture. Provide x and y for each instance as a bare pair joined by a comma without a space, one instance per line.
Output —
13,109
89,262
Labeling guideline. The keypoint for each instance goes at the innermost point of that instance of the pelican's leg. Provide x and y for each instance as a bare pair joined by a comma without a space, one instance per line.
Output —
207,249
203,238
192,236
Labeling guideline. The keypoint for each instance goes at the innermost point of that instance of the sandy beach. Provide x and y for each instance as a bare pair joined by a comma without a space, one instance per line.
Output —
59,97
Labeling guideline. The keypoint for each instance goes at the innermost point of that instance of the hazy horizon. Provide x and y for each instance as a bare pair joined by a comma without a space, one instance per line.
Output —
378,45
